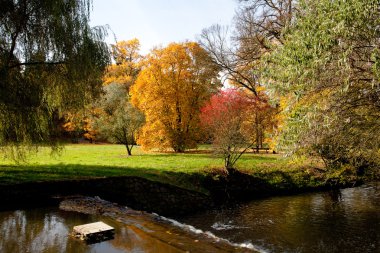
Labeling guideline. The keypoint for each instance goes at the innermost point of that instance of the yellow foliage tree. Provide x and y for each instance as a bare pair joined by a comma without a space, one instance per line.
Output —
127,63
173,85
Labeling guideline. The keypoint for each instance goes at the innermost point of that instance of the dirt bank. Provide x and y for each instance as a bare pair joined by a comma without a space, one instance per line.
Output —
135,192
165,199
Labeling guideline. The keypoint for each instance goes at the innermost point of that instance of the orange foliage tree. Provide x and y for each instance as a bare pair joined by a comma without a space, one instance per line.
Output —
171,88
71,126
79,124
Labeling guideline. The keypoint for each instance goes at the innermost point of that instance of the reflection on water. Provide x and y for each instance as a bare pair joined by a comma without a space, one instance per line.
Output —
345,221
47,230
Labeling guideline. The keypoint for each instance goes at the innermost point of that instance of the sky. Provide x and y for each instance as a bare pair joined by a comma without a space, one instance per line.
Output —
159,22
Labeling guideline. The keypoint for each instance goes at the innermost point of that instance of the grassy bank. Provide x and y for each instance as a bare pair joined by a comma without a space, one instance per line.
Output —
185,170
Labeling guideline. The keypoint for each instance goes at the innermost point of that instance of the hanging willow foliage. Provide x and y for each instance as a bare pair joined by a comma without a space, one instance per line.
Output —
328,68
50,60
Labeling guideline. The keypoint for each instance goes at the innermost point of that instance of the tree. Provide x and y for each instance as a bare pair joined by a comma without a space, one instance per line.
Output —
328,66
127,63
118,121
259,24
50,61
170,90
236,122
264,119
79,124
72,126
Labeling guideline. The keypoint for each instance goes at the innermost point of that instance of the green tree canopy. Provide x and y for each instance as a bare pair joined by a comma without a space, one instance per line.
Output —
50,60
118,121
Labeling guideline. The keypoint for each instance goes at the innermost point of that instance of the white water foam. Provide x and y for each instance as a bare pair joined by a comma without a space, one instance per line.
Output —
247,245
222,226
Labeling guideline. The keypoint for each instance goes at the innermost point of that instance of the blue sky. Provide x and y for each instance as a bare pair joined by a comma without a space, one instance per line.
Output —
159,22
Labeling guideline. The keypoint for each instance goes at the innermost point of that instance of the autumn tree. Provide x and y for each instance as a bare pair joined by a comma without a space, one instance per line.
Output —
236,122
263,116
90,133
72,126
79,124
224,117
126,64
170,90
51,61
328,66
118,121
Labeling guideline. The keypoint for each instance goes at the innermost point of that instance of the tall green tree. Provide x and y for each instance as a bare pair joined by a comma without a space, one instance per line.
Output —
50,60
328,67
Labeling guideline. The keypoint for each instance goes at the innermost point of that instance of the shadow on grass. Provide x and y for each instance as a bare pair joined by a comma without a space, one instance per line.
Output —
18,174
72,171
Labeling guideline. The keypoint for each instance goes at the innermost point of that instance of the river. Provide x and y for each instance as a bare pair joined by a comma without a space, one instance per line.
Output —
345,221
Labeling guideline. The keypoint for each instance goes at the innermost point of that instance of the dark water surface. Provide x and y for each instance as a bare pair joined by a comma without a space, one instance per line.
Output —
348,221
345,221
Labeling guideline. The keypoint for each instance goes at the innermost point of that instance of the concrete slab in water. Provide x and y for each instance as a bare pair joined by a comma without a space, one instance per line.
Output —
95,230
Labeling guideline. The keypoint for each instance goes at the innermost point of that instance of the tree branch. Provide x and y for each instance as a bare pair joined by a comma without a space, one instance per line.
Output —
36,63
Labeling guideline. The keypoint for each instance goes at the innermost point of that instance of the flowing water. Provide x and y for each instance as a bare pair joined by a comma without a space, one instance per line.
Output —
345,221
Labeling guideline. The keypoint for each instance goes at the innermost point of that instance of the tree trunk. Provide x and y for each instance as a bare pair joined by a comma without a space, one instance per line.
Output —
129,149
231,171
257,133
179,149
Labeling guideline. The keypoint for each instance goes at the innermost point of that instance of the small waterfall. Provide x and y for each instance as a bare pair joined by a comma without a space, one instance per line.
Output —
192,229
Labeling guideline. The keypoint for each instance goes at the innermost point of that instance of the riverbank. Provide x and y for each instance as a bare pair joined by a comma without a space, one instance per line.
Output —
166,183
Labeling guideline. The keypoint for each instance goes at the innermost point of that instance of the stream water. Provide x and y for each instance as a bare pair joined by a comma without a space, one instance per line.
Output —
345,221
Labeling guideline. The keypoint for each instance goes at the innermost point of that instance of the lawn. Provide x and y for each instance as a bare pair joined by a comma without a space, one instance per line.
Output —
95,160
187,170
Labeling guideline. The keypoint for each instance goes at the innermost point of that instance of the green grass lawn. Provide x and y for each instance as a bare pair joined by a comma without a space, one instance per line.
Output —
80,161
187,170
